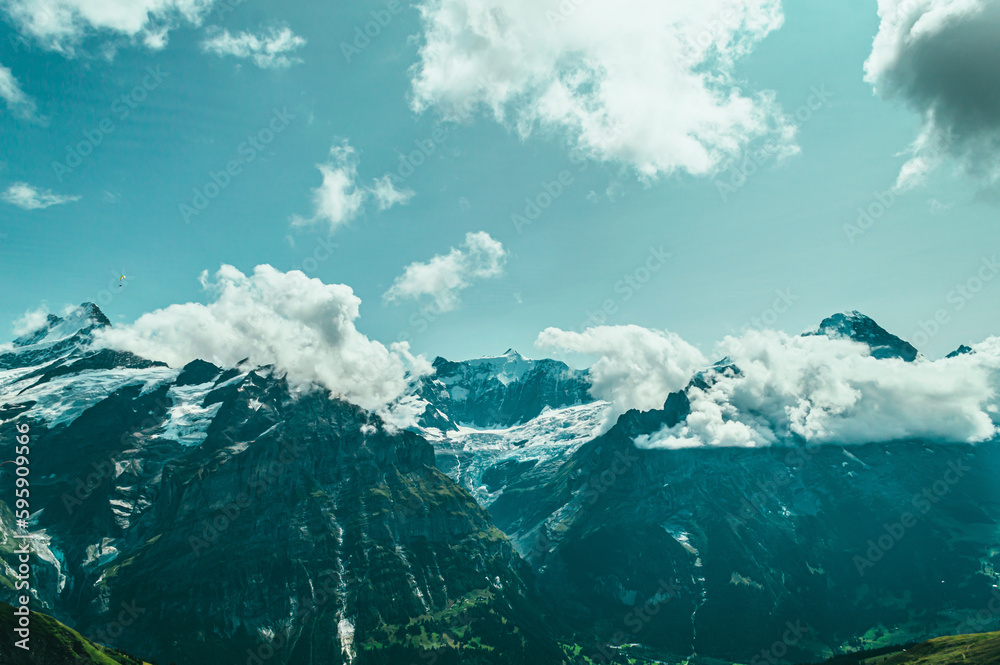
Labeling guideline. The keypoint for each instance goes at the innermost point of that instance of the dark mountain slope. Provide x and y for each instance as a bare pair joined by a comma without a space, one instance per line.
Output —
748,542
242,520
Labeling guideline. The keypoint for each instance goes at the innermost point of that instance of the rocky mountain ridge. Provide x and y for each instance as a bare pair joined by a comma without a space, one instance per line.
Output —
245,517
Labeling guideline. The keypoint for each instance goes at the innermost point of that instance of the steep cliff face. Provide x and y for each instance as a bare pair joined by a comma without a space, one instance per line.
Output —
235,521
499,392
488,461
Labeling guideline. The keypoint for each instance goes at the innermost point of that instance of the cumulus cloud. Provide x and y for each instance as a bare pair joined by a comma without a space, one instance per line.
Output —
942,58
27,197
339,199
270,50
30,321
444,277
833,391
777,389
638,367
302,326
647,83
17,101
62,24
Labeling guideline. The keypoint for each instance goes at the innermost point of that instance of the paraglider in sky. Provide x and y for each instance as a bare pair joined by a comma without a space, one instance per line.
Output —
121,282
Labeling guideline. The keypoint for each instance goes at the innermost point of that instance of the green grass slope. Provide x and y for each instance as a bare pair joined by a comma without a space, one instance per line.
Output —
981,649
52,643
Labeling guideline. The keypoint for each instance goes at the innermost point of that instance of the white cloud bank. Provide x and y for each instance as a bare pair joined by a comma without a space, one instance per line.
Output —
62,24
27,197
17,101
31,320
637,369
648,83
445,276
339,199
942,58
269,50
302,326
802,388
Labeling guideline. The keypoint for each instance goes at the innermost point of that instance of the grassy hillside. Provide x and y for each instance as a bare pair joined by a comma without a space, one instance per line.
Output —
981,649
53,644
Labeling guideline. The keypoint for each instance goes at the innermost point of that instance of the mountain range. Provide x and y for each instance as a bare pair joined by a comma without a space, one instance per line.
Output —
235,518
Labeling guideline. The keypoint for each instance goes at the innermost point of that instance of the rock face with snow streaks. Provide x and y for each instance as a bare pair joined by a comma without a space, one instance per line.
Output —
499,391
233,517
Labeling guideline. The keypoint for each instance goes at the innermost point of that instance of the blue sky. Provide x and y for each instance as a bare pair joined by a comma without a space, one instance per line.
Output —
732,250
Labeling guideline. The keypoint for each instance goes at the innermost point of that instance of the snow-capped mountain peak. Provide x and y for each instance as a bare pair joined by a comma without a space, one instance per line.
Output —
60,337
508,368
85,318
499,391
120,444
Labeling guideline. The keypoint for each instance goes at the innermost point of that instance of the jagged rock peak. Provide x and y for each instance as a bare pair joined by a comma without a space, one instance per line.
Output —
91,312
856,326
